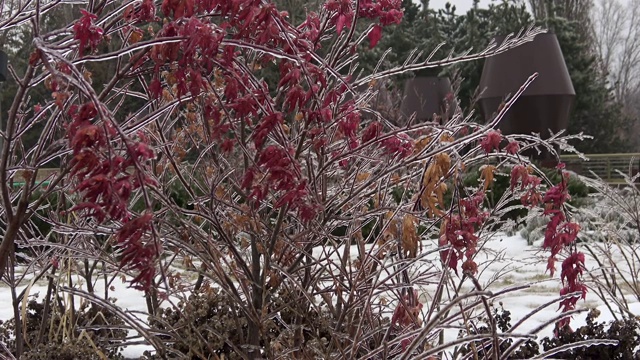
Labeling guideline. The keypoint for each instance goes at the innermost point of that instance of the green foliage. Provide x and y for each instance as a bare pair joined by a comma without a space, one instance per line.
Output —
577,188
19,46
475,29
427,28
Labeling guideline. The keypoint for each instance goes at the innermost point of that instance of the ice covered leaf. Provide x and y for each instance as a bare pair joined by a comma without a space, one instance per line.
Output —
486,174
374,36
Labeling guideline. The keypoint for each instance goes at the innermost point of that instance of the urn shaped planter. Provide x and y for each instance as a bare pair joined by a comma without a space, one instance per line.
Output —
427,96
545,104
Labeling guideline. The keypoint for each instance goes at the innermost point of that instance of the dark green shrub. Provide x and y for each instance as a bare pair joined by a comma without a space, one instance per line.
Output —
577,189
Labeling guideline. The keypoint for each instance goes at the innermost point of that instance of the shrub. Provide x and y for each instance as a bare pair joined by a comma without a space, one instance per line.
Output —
179,153
576,188
625,331
482,349
210,323
61,336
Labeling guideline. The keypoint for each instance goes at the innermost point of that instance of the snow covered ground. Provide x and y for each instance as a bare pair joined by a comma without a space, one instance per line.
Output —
508,261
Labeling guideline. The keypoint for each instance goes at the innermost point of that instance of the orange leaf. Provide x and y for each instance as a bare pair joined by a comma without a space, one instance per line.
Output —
446,138
486,173
395,179
136,36
421,144
439,191
430,201
410,236
443,161
362,177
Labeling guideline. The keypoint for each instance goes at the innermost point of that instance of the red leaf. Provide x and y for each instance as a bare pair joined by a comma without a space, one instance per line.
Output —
512,148
372,131
374,36
340,23
491,141
86,32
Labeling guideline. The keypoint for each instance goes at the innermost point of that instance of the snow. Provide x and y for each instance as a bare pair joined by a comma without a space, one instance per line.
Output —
504,262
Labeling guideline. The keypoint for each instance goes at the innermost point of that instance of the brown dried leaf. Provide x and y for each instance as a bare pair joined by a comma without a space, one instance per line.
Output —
136,36
187,262
438,168
486,173
220,191
274,279
395,179
446,138
376,201
410,238
443,161
88,76
440,191
362,177
421,144
429,200
166,95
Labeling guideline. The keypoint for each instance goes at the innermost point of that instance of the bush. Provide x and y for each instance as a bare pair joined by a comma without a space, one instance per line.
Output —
577,189
250,183
92,325
210,323
76,350
533,228
502,319
625,331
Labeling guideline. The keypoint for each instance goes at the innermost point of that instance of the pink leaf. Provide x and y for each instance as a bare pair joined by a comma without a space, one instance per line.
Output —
374,36
342,19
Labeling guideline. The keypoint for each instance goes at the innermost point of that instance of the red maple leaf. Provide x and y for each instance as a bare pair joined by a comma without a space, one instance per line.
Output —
86,32
491,141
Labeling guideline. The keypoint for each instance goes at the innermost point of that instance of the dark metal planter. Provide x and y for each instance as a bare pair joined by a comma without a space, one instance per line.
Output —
545,104
426,96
